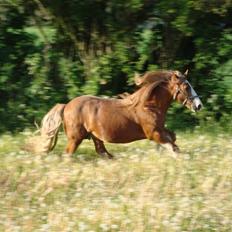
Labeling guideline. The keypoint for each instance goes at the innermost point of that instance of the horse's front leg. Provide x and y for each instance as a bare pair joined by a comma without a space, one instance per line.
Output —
167,139
170,134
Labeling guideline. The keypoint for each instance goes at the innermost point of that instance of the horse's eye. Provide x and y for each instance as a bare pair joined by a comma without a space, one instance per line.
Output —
185,86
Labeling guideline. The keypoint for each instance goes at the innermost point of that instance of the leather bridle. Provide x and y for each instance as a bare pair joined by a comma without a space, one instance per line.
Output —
187,98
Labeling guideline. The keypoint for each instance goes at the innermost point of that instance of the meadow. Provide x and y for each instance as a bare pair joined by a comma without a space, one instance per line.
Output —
142,189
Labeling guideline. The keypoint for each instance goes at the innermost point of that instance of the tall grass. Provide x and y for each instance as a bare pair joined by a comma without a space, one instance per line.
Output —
143,189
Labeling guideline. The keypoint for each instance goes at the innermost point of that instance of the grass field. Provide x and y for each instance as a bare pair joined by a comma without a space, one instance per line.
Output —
142,189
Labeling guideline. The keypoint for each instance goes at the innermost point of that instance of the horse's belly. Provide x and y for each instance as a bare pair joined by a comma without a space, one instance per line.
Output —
110,123
124,140
121,134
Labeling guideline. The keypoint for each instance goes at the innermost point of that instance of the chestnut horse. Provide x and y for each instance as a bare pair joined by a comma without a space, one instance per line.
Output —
140,115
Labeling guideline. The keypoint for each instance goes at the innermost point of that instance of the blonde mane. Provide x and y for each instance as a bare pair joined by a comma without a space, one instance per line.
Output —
153,76
146,83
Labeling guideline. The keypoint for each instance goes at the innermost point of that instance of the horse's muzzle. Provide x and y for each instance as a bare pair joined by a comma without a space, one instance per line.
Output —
197,104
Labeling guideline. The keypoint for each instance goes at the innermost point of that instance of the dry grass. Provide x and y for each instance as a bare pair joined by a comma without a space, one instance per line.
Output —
141,190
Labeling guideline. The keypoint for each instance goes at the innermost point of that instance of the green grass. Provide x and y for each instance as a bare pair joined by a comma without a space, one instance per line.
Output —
143,189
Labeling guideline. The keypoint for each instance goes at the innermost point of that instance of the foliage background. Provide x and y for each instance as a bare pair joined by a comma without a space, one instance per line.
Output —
52,51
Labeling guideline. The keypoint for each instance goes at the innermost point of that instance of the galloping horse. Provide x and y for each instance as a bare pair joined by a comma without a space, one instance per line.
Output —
140,115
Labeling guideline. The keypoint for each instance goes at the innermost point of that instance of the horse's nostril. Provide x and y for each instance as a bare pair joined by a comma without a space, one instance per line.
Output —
199,107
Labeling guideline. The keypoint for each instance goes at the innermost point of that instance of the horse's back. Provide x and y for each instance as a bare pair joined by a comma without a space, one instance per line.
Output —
88,110
107,119
80,106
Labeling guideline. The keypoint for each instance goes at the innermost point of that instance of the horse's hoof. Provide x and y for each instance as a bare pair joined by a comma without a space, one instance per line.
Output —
176,149
66,158
107,155
176,152
110,156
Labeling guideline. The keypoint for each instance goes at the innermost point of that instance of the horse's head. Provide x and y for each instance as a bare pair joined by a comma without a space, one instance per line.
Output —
183,92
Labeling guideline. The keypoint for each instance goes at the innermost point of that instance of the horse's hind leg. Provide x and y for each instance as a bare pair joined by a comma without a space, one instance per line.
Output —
100,147
75,137
72,145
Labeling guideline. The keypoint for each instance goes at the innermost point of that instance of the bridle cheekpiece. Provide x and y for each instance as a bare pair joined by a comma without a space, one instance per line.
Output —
187,98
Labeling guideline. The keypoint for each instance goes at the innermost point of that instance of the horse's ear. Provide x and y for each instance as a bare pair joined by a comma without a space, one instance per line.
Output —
186,72
138,79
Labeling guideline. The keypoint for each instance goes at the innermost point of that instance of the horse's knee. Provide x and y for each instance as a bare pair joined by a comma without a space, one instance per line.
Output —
159,137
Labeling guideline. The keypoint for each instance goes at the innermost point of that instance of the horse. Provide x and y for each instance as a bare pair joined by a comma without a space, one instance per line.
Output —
137,116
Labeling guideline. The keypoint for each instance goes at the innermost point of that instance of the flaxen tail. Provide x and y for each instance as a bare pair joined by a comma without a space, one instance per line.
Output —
48,131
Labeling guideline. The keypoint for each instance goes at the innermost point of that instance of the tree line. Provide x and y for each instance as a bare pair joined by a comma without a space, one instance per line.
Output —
53,51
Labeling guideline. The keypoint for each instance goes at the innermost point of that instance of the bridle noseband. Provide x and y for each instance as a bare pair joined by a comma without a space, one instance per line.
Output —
187,98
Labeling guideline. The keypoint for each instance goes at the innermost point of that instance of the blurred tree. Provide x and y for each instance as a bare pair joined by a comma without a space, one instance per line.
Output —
52,51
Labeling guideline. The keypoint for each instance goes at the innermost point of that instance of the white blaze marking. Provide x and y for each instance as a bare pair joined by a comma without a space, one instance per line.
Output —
196,100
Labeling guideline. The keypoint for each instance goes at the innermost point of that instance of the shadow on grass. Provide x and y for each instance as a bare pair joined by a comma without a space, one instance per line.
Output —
86,151
81,155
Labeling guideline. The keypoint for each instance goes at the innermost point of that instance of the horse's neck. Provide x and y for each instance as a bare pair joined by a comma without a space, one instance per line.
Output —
162,98
159,104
